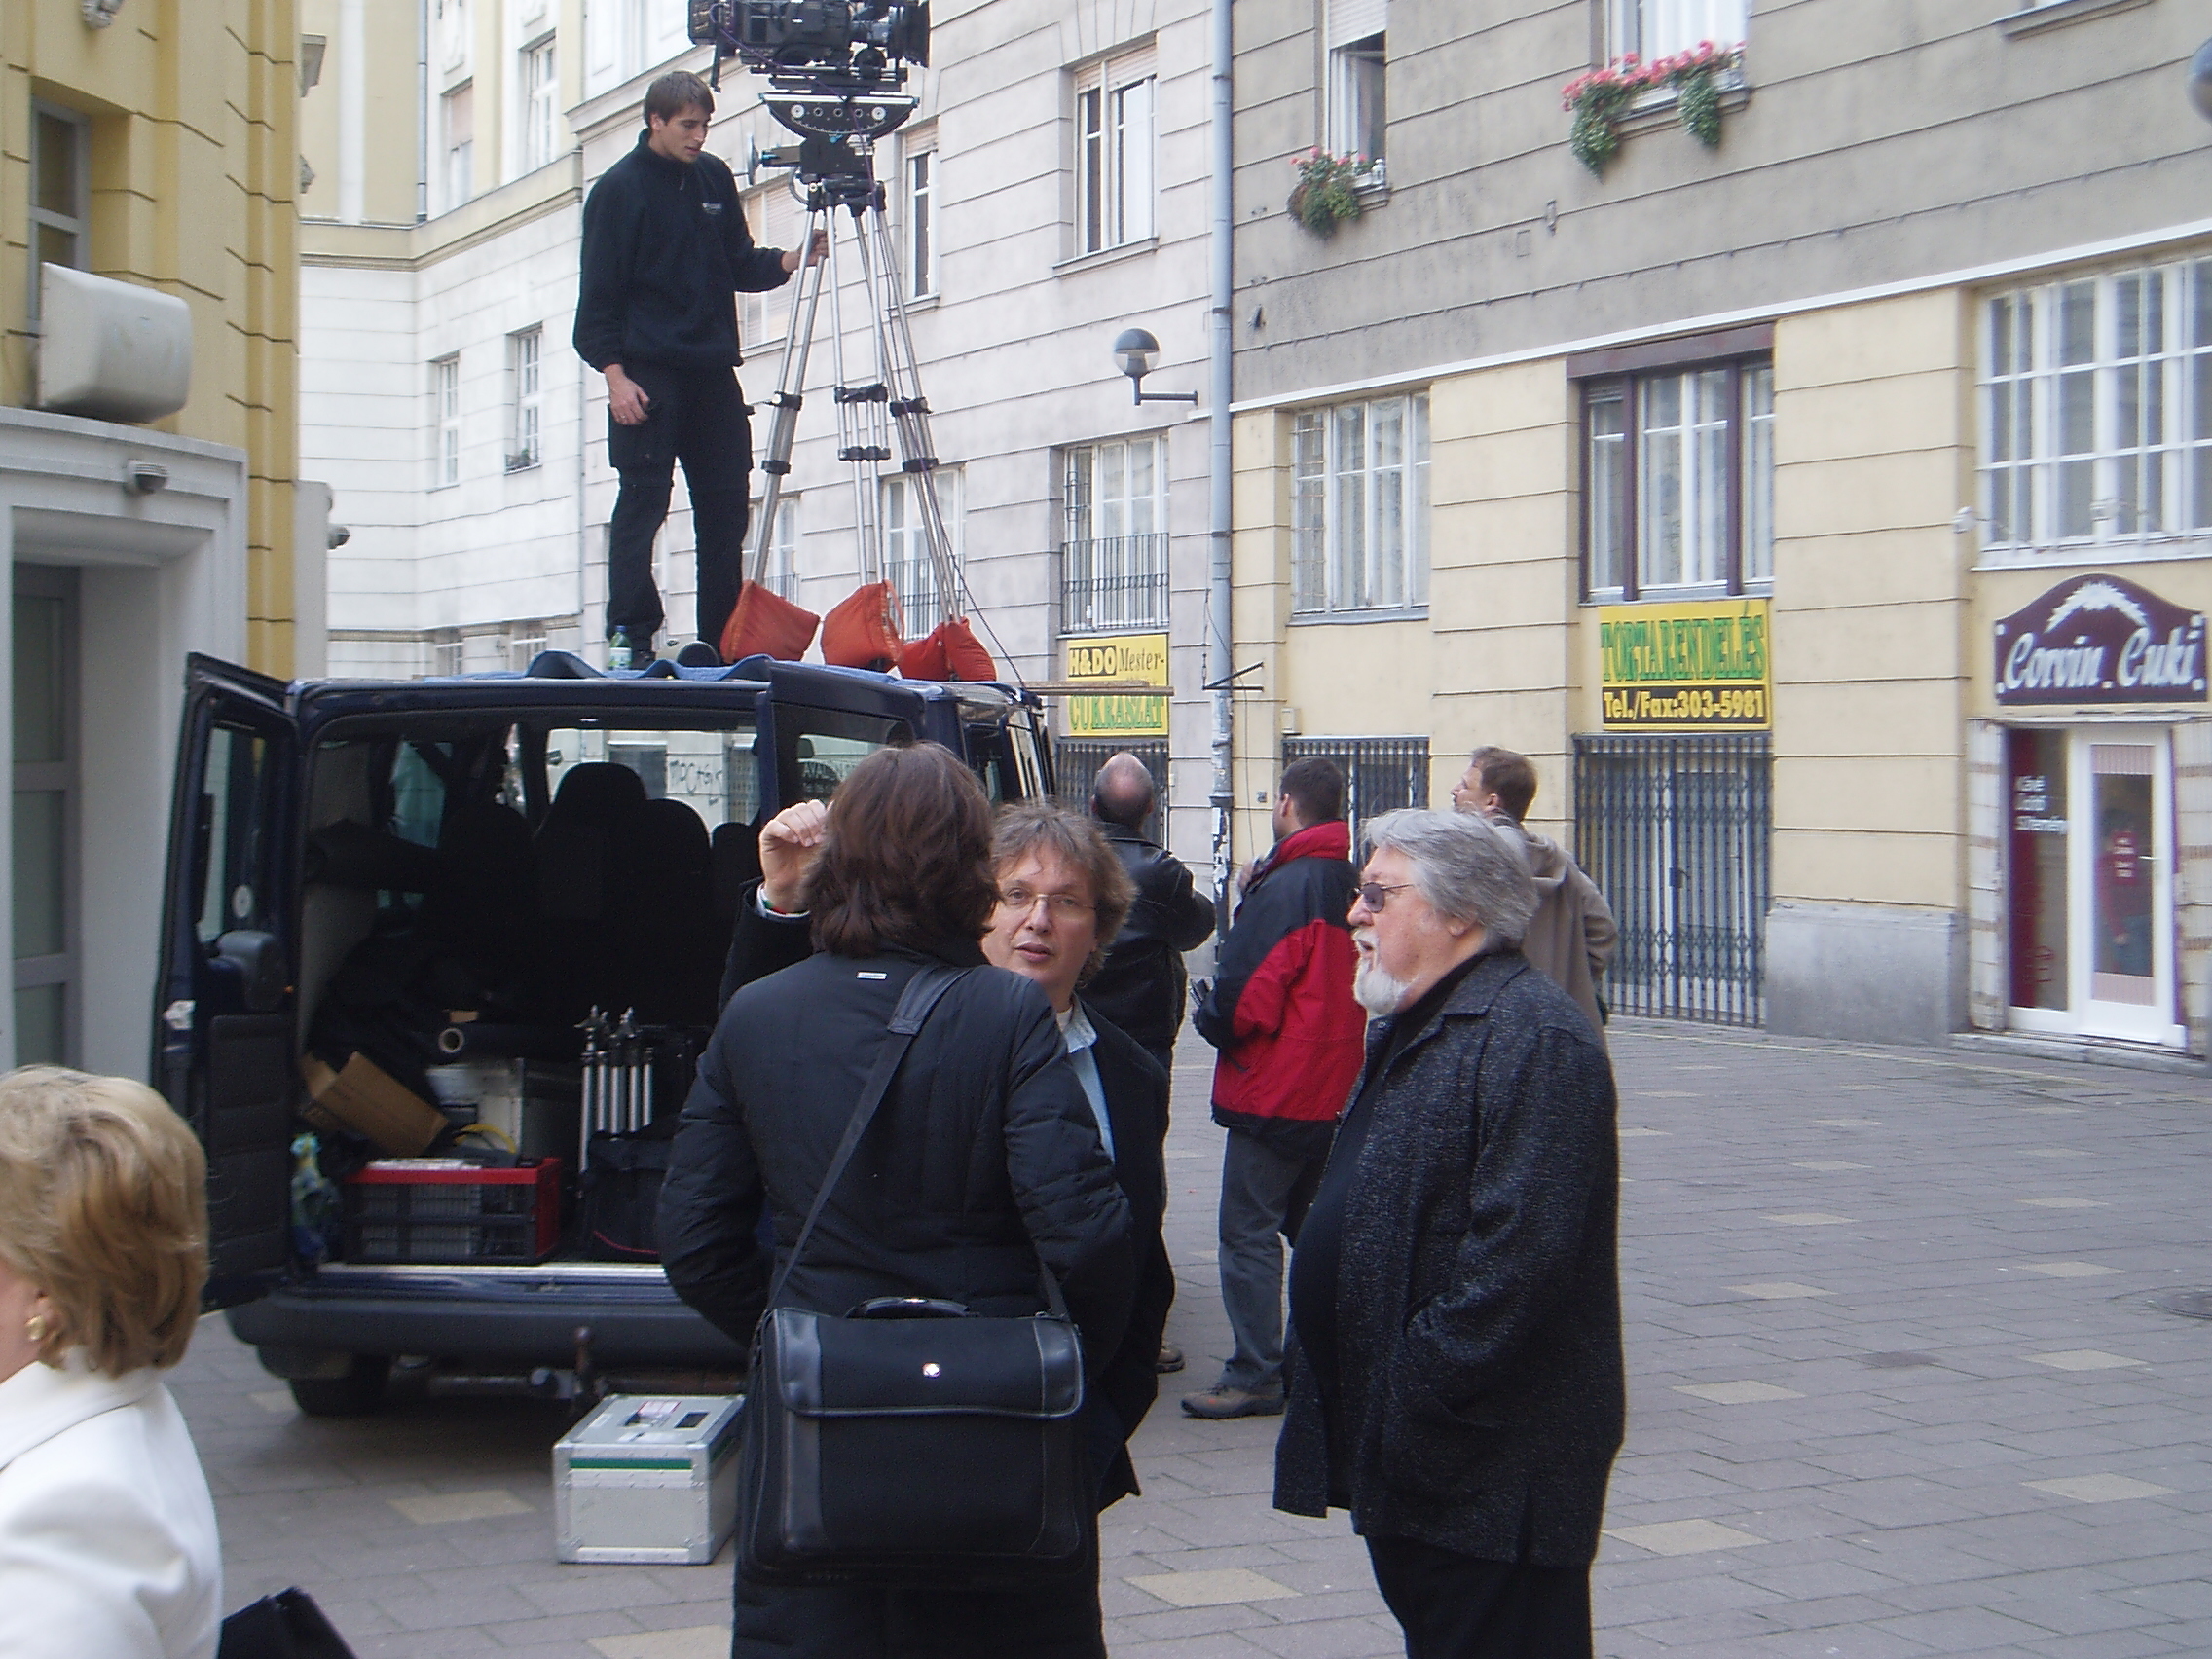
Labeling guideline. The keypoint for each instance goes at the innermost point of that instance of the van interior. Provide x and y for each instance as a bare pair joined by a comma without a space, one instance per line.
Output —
520,921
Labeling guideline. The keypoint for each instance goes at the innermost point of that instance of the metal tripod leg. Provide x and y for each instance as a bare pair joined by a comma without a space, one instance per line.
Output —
788,398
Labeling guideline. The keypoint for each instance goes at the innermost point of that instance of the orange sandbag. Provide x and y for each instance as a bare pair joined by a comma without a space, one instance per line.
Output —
862,631
950,652
766,624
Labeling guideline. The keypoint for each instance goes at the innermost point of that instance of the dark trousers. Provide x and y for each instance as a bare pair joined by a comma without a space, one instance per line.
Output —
1460,1607
1266,1187
695,416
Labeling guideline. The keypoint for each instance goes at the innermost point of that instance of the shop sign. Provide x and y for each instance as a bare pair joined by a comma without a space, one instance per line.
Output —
1701,666
2100,639
1124,713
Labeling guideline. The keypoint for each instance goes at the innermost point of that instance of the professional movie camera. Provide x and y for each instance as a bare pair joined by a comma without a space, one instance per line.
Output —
835,47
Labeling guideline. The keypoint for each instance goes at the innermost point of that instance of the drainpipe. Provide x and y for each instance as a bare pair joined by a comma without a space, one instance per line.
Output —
423,111
1220,586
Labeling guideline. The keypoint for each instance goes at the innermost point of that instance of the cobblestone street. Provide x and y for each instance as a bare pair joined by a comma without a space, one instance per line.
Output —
1896,1386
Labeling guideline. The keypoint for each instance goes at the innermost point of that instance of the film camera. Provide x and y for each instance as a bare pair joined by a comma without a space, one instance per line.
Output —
822,44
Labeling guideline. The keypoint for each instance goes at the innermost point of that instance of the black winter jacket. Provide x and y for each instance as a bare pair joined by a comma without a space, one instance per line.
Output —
982,1156
1477,1306
1142,985
665,246
1136,1102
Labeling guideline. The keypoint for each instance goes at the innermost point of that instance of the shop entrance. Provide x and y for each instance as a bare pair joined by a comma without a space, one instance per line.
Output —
2091,866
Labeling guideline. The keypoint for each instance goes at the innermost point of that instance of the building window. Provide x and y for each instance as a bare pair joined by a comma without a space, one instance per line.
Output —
2096,411
920,241
1659,28
458,120
776,219
523,649
540,92
1679,481
524,353
1114,151
1358,116
445,403
782,550
907,566
447,658
59,209
1359,521
1114,551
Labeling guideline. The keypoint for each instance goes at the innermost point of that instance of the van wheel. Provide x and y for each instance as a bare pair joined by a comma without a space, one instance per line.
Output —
355,1394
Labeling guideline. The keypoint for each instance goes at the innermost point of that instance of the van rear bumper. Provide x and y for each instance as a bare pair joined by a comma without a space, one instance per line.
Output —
517,1318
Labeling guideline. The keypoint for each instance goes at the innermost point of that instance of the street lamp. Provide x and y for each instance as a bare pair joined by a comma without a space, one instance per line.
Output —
1133,353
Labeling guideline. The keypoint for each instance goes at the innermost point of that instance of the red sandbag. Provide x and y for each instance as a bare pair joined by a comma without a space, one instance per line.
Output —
950,652
766,624
862,631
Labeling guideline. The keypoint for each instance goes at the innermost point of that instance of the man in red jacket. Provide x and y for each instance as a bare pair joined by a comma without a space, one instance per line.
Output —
1291,1037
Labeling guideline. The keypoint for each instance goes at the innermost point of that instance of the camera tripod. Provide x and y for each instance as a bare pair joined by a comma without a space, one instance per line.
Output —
838,175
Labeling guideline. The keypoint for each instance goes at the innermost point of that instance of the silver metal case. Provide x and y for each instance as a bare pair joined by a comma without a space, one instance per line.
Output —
647,1479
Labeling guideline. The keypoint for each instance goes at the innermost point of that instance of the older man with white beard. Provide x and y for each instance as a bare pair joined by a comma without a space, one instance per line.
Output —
1455,1378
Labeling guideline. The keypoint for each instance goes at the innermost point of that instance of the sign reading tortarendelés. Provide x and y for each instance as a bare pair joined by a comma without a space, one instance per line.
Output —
1701,666
2100,639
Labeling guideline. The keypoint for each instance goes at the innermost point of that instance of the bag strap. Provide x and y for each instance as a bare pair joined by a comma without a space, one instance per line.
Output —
914,1005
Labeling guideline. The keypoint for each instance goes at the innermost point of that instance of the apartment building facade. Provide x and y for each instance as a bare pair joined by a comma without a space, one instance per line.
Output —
149,495
1050,192
1828,510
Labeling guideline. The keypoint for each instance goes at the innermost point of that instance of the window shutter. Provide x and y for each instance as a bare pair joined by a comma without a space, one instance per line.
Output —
1357,20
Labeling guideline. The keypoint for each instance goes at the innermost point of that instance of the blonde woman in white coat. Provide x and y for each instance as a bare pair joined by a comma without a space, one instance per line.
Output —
107,1536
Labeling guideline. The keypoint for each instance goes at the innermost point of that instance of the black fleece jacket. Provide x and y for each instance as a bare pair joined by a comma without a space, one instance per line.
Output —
665,247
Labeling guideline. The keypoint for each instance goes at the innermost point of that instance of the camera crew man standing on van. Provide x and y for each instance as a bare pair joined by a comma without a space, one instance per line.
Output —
665,252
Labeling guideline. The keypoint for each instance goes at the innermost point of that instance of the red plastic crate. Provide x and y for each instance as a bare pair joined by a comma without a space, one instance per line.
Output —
423,1209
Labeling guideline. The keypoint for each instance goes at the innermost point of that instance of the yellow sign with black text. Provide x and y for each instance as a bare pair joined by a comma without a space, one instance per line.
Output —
1141,658
1702,665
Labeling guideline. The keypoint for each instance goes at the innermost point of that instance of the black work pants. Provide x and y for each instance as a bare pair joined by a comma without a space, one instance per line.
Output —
699,417
1460,1607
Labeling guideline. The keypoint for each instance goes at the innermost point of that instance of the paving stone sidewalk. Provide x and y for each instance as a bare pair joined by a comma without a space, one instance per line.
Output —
1896,1387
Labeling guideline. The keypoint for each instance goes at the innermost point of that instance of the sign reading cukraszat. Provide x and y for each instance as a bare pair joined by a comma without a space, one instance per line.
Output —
2100,639
1699,666
1120,713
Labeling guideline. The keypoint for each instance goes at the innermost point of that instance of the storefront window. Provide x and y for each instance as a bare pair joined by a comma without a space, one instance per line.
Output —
2040,900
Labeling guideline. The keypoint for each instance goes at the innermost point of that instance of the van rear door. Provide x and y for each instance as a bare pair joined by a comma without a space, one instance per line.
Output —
224,1007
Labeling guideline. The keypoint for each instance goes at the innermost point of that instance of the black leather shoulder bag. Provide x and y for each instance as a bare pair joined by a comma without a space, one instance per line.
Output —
910,1441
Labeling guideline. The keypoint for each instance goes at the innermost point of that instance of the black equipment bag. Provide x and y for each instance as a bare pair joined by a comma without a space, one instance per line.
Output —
622,1194
910,1441
287,1625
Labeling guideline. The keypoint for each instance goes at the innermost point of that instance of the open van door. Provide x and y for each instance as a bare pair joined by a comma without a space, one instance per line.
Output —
225,1003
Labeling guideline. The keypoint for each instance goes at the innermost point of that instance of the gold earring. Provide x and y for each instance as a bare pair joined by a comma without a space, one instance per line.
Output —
34,1327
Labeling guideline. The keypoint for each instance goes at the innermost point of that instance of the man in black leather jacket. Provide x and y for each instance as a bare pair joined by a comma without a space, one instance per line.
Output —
1142,985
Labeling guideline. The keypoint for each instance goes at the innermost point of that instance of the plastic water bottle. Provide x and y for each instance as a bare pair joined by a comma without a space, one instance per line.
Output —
618,648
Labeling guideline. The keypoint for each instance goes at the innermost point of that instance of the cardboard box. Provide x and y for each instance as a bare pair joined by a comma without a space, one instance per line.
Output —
368,1100
647,1479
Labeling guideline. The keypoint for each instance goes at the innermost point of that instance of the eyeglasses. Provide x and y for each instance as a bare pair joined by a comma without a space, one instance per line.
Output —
1374,895
1061,907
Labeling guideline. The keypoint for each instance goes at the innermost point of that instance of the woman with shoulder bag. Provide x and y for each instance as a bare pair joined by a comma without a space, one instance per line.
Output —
107,1535
949,1173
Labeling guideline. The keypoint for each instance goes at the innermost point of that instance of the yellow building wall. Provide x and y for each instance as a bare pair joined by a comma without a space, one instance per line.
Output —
194,152
1871,627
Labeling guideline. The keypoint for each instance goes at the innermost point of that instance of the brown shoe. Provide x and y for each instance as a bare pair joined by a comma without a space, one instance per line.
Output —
1171,1359
1222,1401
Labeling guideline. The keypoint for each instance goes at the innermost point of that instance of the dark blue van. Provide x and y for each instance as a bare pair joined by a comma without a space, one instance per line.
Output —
472,883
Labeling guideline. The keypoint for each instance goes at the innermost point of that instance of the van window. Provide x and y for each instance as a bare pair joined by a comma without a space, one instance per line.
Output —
817,749
229,857
714,773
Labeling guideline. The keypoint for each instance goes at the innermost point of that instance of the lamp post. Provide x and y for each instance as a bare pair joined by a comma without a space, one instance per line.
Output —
1133,352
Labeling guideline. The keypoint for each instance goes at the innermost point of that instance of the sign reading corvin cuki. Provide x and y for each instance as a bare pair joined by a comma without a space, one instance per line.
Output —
2100,639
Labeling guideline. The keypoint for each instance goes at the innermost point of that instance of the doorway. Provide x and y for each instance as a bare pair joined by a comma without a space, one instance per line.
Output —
2089,882
45,837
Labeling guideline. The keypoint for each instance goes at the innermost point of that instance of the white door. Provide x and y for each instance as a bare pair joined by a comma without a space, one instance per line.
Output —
2123,867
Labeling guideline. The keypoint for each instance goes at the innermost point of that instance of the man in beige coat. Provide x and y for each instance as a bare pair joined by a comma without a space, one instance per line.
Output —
1574,936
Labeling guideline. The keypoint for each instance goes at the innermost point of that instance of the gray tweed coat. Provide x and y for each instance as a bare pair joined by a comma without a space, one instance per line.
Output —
1478,1295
